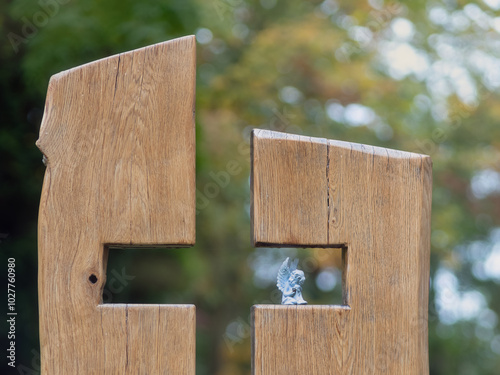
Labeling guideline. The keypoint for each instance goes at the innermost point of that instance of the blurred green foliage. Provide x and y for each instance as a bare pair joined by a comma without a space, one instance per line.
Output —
419,76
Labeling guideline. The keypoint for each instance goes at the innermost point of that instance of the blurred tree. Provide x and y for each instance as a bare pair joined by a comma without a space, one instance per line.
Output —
418,76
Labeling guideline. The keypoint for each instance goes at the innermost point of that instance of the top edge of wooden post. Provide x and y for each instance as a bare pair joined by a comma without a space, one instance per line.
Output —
262,134
189,41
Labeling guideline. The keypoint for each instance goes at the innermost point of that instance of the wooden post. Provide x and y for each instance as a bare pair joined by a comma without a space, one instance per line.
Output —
375,203
119,142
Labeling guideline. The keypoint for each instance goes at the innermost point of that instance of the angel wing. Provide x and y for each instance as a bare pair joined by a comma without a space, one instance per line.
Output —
283,275
294,264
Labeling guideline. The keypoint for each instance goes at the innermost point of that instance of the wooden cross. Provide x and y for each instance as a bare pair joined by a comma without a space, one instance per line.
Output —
373,202
119,142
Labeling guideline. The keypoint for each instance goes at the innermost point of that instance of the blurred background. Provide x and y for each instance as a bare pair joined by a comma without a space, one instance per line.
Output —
421,76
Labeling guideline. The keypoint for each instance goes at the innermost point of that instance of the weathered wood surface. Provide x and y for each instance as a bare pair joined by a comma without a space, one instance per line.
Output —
374,202
119,141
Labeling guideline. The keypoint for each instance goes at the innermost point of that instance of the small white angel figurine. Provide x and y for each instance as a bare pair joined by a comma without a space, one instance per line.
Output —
290,281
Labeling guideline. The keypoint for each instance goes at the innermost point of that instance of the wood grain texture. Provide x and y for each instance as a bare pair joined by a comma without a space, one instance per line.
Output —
378,205
119,142
287,330
289,187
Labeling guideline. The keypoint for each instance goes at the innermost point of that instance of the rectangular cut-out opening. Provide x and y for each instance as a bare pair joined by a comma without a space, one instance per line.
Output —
146,275
324,269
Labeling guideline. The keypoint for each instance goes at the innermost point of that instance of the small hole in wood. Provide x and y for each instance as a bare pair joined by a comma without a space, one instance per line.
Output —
93,278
